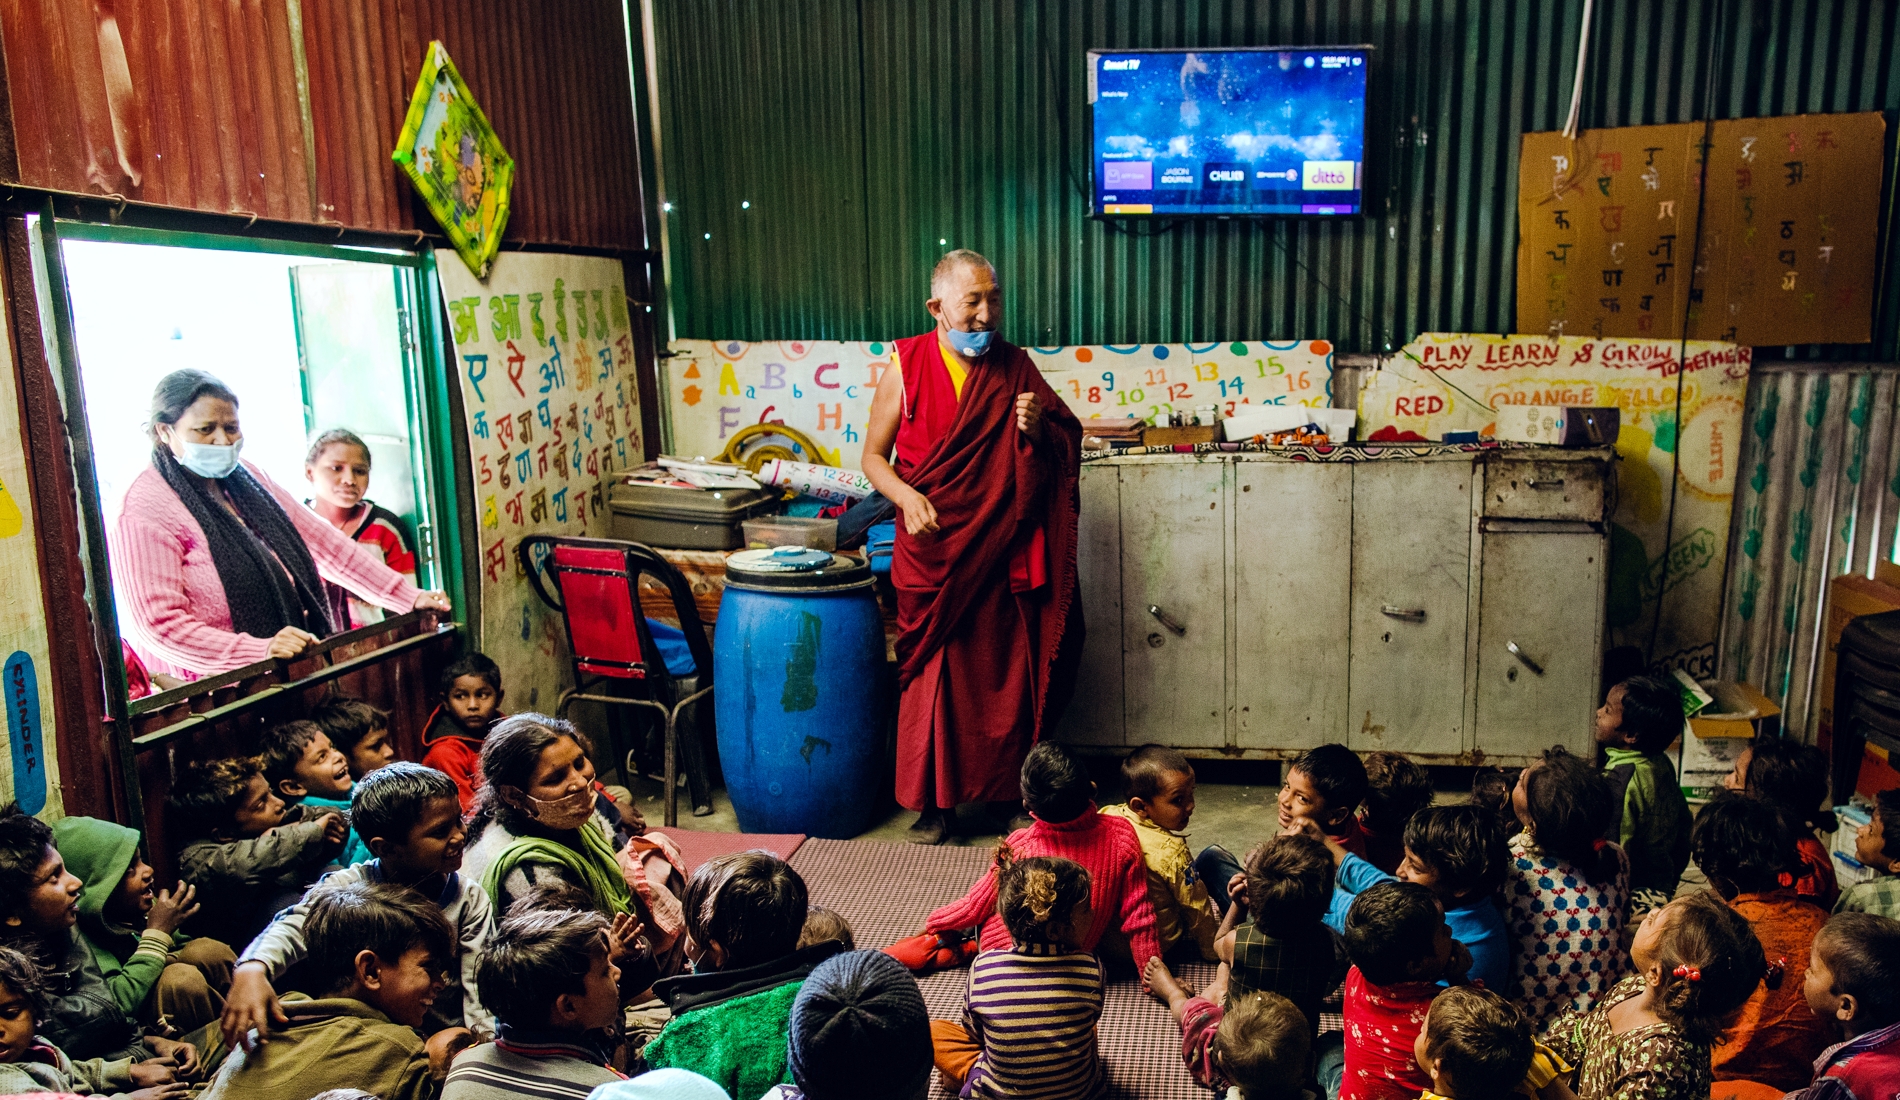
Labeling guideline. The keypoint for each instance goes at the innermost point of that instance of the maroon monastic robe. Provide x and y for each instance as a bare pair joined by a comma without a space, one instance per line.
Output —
989,627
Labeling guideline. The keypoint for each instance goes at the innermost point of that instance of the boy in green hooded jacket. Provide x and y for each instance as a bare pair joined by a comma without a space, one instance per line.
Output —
155,973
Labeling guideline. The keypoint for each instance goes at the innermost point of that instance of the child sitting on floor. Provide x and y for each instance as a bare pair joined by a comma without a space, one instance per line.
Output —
1742,844
1324,785
859,1028
1639,719
1853,981
470,706
1459,854
554,988
1283,948
1159,783
384,950
1401,949
1492,791
1696,962
1792,777
1258,1045
30,1063
1396,789
1474,1046
414,826
1567,891
1029,1016
1059,796
247,854
156,973
359,731
823,924
744,914
39,916
1880,894
305,769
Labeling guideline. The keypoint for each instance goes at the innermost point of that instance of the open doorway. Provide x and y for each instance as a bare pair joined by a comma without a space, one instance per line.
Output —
313,343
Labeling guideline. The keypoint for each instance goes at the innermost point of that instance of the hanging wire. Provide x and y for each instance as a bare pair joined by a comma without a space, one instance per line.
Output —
1707,111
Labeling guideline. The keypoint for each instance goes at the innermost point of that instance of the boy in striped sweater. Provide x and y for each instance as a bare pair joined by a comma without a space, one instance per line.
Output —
554,987
1028,1028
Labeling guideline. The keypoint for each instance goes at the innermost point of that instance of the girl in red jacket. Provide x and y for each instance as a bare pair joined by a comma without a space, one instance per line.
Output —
1060,798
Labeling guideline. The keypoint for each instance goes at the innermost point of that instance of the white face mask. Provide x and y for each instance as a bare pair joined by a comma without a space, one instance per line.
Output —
209,459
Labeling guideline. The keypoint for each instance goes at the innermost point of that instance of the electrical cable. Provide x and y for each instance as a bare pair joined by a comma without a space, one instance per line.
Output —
1688,309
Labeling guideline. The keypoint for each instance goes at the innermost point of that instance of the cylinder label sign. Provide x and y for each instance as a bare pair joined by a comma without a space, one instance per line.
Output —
23,728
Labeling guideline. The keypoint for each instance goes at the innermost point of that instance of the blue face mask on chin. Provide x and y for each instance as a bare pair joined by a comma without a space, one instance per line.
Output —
970,345
210,460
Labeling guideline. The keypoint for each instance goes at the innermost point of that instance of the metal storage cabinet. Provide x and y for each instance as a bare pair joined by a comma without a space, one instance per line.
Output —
1448,606
1411,580
1291,595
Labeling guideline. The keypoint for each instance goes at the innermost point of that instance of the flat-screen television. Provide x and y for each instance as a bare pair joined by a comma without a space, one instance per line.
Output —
1250,132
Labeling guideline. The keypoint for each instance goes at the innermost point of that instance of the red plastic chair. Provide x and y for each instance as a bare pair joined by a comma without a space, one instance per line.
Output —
611,642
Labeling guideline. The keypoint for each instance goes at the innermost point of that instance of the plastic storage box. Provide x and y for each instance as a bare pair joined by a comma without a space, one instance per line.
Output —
684,519
769,531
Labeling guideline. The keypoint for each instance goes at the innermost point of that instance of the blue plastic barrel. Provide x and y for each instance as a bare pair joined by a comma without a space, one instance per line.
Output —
798,654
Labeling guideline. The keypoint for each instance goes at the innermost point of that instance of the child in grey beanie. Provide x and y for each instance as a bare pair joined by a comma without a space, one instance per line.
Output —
860,1031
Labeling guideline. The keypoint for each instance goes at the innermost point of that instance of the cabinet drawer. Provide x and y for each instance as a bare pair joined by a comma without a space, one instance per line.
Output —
1529,488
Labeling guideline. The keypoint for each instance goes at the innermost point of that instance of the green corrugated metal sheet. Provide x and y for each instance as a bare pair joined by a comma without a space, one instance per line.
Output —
871,135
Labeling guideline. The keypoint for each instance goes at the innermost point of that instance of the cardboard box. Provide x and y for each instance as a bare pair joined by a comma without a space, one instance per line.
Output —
1168,437
1716,737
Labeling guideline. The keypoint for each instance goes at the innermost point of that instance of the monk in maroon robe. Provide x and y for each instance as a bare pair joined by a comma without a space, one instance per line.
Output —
986,483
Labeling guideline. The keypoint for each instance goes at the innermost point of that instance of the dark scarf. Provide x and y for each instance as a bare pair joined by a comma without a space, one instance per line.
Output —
264,596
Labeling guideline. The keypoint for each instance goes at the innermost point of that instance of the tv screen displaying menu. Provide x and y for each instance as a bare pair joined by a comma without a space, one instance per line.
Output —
1229,133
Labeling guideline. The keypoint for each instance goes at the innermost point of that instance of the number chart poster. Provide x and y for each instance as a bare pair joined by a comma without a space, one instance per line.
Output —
1445,382
1789,230
824,388
545,354
29,774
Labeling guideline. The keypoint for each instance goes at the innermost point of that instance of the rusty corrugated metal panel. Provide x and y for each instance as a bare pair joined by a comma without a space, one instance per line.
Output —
194,103
182,102
974,122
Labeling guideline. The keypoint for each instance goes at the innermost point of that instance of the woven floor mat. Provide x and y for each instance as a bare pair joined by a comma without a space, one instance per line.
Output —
697,847
887,890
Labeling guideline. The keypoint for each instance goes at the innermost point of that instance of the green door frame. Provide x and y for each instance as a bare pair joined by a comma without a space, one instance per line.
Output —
428,378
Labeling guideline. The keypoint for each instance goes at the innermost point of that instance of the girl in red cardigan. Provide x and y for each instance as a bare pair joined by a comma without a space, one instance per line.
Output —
1059,796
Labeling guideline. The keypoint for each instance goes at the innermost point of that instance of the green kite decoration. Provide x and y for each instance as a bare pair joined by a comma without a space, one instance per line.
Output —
451,154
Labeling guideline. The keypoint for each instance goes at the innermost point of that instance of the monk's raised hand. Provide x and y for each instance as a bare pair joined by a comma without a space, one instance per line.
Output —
1028,413
920,516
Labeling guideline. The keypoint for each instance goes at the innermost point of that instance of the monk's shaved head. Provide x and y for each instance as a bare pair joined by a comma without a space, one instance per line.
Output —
953,263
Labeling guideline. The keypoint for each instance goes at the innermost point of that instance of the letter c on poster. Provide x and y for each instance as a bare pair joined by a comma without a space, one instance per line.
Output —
23,728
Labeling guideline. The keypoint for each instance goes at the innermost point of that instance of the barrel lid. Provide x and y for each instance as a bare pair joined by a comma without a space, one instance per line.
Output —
795,567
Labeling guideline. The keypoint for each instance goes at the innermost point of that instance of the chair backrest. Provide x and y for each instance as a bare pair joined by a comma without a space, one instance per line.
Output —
603,609
597,581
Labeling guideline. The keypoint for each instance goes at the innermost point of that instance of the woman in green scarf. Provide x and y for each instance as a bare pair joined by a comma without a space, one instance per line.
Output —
535,823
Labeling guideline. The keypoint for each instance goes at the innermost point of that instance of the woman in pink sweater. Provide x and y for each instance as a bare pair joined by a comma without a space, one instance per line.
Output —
1060,797
214,567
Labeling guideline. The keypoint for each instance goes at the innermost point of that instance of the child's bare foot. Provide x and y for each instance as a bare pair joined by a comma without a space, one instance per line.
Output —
1165,986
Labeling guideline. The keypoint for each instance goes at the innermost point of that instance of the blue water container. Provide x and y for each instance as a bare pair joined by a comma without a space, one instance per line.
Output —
797,654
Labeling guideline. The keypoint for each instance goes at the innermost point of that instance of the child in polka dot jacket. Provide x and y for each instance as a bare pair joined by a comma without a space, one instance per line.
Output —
1567,894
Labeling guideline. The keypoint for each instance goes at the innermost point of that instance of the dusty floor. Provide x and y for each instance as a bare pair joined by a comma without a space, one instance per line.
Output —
1233,805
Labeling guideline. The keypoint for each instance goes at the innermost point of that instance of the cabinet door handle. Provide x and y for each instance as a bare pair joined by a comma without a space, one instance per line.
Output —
1527,662
1409,614
1167,620
1544,483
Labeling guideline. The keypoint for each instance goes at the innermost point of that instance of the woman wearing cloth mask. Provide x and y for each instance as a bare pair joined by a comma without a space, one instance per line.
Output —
215,566
535,823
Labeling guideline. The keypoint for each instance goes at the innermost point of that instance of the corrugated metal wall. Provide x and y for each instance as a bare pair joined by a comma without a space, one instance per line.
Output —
870,135
220,105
